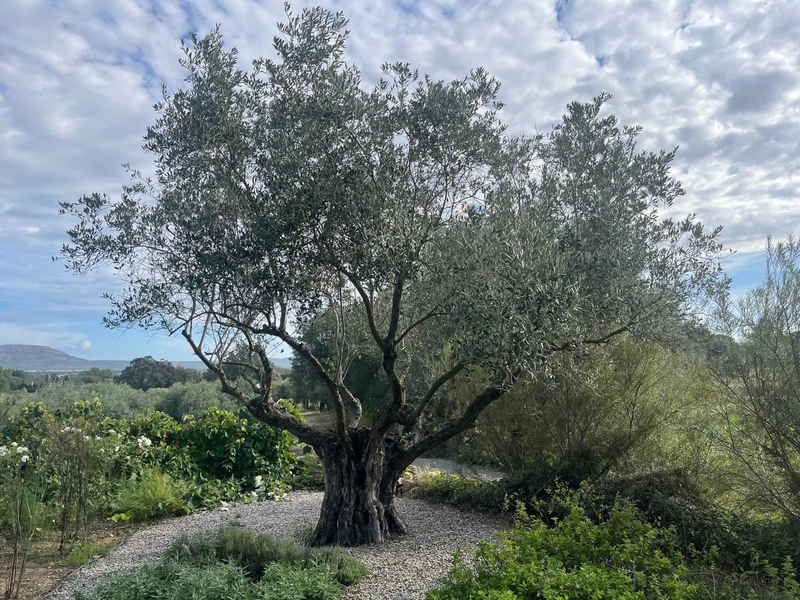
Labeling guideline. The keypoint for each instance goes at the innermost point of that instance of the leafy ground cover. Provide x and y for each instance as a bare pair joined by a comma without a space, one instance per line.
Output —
648,538
235,563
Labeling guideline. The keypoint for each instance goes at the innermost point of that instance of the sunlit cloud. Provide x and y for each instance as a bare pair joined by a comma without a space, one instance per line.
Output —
717,78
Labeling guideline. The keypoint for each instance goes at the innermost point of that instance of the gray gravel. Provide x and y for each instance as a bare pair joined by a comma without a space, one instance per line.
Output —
403,568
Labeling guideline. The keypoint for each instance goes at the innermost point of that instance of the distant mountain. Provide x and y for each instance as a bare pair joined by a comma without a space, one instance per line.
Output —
40,358
44,358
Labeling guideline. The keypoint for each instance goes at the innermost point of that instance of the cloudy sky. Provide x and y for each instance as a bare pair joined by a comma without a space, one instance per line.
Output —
78,78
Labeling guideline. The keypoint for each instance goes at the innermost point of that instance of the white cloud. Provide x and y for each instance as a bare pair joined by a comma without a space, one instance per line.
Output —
715,77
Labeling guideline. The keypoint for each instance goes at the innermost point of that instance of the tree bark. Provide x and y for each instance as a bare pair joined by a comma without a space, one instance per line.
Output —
358,506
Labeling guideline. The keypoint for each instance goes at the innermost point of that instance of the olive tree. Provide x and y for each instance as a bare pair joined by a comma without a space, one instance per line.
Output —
407,212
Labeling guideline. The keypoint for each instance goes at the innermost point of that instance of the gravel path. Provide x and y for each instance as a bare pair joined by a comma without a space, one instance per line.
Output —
402,569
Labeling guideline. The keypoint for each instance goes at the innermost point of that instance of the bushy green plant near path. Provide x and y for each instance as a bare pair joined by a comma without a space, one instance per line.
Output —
578,559
256,552
725,539
216,582
150,494
235,563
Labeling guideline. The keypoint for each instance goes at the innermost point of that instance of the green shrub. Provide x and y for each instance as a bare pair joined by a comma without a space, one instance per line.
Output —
150,494
534,482
670,499
667,500
192,398
225,456
174,582
215,582
286,582
156,426
226,445
255,553
621,557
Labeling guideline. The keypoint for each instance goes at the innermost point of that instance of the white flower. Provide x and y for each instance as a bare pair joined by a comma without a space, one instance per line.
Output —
3,451
102,450
97,437
86,438
111,432
116,448
21,449
25,458
13,444
144,441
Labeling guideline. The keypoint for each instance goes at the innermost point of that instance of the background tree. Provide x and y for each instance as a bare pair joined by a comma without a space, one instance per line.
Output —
362,373
146,372
600,410
409,216
94,375
758,371
15,379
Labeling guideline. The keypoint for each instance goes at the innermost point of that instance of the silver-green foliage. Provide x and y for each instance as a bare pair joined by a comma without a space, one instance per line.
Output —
405,211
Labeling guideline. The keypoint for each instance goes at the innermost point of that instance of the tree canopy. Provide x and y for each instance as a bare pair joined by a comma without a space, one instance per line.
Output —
146,372
409,216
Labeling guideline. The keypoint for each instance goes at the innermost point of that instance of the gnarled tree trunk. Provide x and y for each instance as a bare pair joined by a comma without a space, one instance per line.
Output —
358,506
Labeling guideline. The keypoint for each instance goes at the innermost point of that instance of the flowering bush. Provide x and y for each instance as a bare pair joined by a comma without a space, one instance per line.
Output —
86,458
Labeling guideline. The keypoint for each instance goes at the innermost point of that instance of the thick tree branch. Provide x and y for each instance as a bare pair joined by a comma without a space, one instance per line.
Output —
451,429
428,397
394,316
333,387
265,410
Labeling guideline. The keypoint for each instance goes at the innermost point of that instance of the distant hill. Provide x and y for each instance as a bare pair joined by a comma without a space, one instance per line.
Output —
46,359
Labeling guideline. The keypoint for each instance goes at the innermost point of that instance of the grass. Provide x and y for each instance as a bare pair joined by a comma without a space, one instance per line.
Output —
88,550
150,494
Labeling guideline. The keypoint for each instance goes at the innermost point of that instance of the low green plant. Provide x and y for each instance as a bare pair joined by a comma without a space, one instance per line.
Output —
174,582
673,500
220,581
495,496
620,557
663,499
235,564
150,494
87,551
255,553
460,491
286,582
